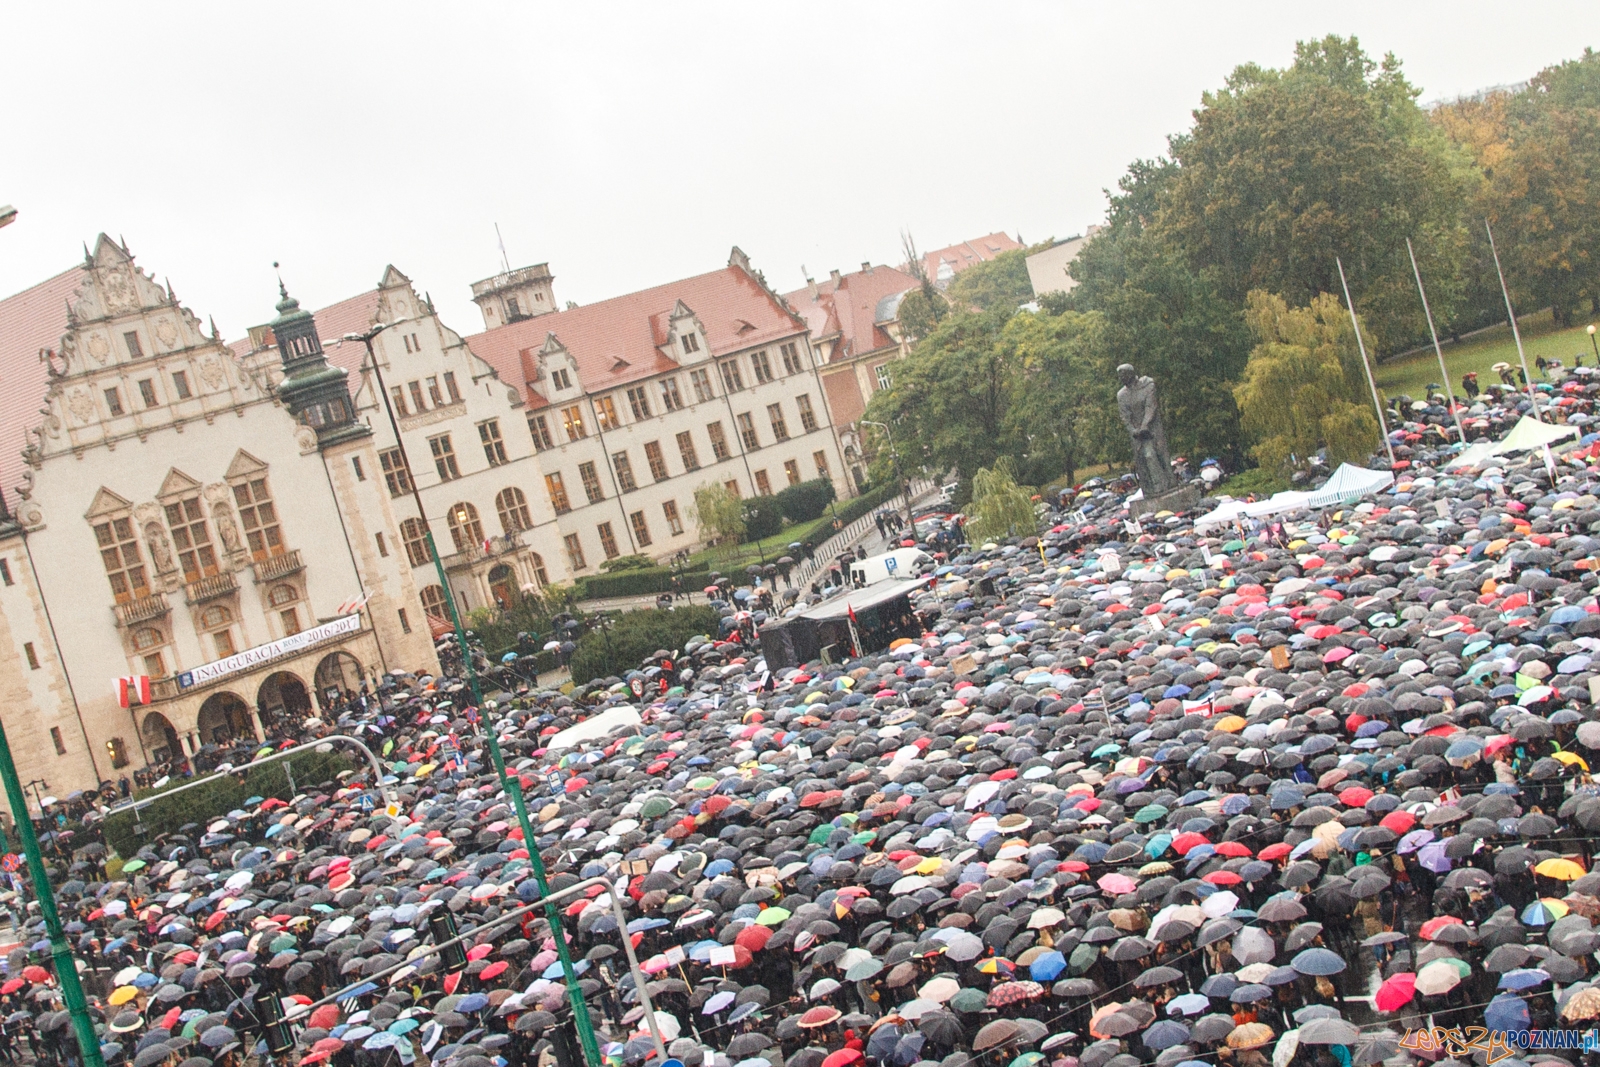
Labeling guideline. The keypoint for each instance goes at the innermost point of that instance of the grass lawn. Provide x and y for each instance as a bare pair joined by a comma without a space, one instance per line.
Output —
1540,337
725,557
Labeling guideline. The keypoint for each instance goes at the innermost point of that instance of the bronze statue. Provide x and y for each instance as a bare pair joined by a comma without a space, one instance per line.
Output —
1141,414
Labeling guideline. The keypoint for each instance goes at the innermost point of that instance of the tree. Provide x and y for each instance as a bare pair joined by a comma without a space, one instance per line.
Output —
1064,406
1304,387
923,307
998,284
1000,507
718,514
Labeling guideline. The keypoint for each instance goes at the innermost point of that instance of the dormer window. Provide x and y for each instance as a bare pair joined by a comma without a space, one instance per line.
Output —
691,344
560,379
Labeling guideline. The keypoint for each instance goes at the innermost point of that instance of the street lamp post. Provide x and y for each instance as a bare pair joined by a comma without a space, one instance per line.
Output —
510,783
905,486
1594,345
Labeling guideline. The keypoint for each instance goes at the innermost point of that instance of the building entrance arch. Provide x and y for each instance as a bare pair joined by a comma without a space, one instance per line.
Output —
502,582
160,739
283,699
223,718
338,673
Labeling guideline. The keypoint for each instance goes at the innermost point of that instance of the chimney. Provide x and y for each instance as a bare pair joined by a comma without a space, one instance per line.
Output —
866,266
811,283
835,276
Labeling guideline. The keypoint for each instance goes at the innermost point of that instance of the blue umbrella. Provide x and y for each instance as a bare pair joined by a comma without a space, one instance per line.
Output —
1048,967
1165,1034
1506,1012
1538,914
1318,962
1188,1004
1523,978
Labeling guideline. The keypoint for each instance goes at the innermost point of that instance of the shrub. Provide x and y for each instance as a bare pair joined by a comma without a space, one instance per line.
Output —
762,519
639,582
221,794
636,635
627,563
806,501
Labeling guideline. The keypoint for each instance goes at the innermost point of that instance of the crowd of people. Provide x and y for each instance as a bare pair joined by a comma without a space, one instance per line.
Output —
1309,791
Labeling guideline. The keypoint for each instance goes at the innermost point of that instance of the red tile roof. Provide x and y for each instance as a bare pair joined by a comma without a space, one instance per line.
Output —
29,321
958,258
849,307
615,341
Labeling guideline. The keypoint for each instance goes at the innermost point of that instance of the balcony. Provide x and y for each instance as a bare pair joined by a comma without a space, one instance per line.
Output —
163,689
274,568
142,610
210,588
472,553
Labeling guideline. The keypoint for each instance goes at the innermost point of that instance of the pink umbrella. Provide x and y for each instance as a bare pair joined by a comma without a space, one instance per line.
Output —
1117,883
1396,992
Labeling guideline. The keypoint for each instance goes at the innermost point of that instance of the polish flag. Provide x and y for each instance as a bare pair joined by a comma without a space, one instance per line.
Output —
132,689
354,604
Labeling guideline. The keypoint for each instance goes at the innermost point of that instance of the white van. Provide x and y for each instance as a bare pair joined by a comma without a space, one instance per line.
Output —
901,563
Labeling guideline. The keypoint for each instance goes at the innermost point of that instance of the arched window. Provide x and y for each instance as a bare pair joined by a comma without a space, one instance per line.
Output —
465,529
281,595
147,638
413,532
513,508
540,575
433,602
147,642
214,616
283,598
218,622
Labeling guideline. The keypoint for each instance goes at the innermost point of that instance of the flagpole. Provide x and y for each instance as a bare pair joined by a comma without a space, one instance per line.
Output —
1516,334
1461,434
1362,345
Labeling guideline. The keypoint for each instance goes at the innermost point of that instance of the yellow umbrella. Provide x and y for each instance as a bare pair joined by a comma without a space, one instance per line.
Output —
1572,759
1250,1035
1232,724
1564,869
122,994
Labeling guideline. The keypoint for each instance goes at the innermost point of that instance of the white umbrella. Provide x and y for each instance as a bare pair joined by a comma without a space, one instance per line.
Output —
1284,1051
1253,945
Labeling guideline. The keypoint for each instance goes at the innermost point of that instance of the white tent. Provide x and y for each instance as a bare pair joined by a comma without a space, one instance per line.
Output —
1348,483
1288,500
1527,434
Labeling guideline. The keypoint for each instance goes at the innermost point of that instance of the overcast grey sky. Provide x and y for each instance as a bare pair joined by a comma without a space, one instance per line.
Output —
627,144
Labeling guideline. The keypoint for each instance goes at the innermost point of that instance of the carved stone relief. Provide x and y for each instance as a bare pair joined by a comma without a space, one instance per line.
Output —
166,333
220,497
118,287
99,348
211,372
79,403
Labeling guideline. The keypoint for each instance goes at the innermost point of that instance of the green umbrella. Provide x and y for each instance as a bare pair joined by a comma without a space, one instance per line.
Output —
772,916
860,972
655,807
133,865
1027,1059
1150,813
970,1000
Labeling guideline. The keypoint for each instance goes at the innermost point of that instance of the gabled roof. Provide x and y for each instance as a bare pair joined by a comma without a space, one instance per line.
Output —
616,341
853,308
31,320
943,263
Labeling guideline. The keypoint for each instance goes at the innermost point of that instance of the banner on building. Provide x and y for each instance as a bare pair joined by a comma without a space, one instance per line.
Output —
254,657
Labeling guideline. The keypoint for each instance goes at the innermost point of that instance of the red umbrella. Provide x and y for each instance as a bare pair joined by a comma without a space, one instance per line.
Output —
12,986
843,1058
1355,796
1428,931
1400,822
754,938
1275,852
325,1017
1396,992
1186,841
35,973
1232,849
1222,878
821,1015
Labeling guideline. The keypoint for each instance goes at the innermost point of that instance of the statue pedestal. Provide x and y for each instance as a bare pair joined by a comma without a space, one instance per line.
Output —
1183,498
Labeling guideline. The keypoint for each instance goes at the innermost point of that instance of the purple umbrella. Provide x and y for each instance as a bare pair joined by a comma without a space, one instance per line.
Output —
1432,857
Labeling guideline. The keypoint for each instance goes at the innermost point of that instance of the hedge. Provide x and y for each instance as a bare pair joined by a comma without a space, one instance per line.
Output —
866,503
762,519
805,501
635,636
639,582
221,794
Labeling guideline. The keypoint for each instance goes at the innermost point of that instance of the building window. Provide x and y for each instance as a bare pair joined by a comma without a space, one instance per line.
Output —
624,468
433,602
450,387
641,529
192,539
701,381
791,471
591,482
639,403
513,509
513,309
671,399
658,462
361,474
414,535
791,358
33,657
560,378
55,736
883,375
114,401
383,545
572,422
180,384
283,597
540,575
405,623
674,523
691,343
747,432
732,486
540,429
444,457
763,486
407,339
218,622
494,449
605,413
732,381
147,638
147,392
433,392
574,552
762,365
135,349
558,493
686,451
719,441
259,518
465,529
780,428
398,396
5,571
124,565
808,417
821,460
395,473
608,541
416,397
